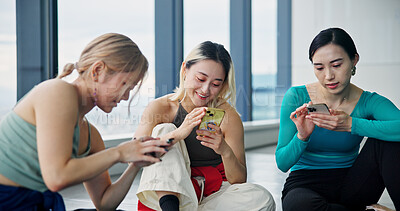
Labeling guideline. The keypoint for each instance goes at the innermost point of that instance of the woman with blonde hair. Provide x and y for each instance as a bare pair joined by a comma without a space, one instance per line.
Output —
47,144
204,170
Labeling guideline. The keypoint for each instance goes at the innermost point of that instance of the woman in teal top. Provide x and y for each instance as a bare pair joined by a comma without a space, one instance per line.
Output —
46,144
322,150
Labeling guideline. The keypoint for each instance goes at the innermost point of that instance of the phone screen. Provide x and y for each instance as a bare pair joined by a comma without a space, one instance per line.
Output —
213,116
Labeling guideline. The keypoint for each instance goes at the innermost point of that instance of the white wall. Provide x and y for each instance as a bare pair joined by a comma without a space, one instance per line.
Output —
373,25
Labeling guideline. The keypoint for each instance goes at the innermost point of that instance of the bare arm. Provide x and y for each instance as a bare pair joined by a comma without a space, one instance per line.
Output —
104,194
160,111
55,128
152,115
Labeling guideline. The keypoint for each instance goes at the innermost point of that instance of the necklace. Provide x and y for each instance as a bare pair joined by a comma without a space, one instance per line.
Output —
341,102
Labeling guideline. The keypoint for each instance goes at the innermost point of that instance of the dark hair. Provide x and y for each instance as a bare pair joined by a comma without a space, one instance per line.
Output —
215,52
335,36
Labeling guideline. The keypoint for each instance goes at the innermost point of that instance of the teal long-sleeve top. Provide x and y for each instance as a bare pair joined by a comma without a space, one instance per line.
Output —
374,116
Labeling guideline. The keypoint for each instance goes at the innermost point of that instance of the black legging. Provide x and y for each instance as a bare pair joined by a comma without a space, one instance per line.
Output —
376,167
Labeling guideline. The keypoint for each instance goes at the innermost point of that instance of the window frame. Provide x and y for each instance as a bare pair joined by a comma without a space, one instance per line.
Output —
37,43
37,34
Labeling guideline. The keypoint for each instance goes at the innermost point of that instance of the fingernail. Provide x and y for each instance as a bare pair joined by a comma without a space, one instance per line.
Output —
160,159
170,140
166,149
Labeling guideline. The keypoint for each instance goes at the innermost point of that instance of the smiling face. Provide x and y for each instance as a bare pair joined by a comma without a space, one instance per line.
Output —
112,88
203,81
332,67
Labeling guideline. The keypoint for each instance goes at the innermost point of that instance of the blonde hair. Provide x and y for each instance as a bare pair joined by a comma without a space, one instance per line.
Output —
117,51
210,51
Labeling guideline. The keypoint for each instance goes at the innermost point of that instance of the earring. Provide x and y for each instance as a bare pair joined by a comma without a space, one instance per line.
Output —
95,96
95,91
353,71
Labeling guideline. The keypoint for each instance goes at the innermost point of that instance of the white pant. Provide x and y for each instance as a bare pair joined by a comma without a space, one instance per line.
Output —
173,174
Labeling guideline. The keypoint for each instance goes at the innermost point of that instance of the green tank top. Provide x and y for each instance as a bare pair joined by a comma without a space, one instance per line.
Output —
18,152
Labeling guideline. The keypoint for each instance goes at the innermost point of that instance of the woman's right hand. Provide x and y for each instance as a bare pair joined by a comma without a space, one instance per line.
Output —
139,150
304,126
191,120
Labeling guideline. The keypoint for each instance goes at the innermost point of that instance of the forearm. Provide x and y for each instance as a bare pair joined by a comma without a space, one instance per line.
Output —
116,192
381,119
235,171
175,135
384,130
288,155
80,170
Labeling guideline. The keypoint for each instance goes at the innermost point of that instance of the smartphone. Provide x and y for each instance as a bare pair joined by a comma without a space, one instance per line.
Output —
321,108
213,116
157,154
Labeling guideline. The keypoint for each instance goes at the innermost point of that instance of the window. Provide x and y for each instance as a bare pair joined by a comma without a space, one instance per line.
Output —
264,57
81,21
8,58
205,20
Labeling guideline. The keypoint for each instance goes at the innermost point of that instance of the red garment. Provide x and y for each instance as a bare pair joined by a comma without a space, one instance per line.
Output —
213,181
142,207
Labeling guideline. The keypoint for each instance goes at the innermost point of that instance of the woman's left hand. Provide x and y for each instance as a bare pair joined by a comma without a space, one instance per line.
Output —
213,139
336,121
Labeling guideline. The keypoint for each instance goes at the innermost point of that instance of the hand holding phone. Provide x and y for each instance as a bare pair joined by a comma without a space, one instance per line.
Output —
320,108
213,116
158,154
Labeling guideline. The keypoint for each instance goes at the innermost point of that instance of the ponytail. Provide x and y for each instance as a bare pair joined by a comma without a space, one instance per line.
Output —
68,68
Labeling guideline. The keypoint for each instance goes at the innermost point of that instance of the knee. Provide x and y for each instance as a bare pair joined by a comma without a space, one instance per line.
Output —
163,128
263,191
303,199
245,196
258,195
269,202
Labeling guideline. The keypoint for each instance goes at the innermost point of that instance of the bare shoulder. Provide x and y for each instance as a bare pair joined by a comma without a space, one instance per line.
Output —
59,92
231,119
47,96
56,89
232,129
162,105
161,109
52,88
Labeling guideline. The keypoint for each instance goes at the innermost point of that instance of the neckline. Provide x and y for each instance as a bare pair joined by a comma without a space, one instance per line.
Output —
356,106
326,101
182,108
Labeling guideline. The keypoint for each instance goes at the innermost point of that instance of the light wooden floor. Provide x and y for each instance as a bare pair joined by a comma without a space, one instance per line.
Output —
261,168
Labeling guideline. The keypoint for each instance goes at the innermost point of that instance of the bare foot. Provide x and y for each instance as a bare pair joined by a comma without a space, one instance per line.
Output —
378,207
